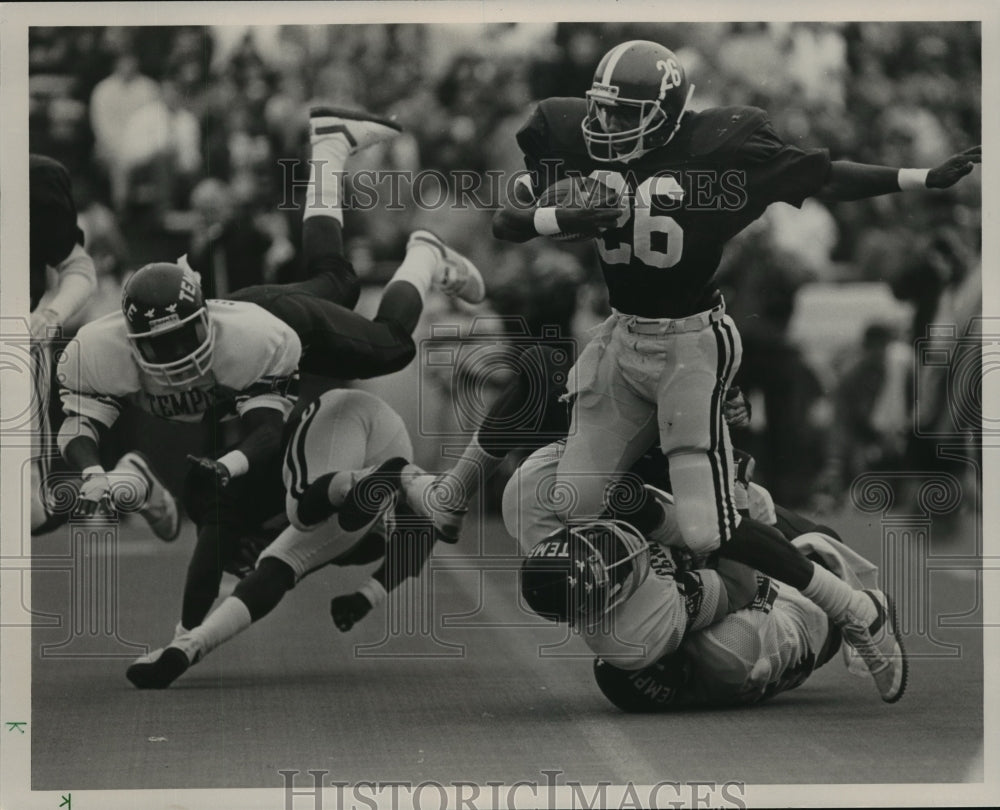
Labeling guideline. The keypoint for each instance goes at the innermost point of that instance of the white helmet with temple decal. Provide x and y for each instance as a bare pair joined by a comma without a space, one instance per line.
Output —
581,572
169,331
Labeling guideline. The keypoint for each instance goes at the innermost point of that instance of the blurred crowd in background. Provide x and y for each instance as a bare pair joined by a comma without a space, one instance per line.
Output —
178,140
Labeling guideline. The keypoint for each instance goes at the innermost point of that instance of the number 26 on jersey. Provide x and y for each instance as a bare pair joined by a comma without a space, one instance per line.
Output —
656,240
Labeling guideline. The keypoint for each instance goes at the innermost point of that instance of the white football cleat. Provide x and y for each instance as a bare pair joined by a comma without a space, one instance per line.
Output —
426,498
877,642
455,275
358,129
160,509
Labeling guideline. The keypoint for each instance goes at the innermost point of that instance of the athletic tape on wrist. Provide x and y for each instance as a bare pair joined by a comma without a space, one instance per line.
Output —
909,179
373,592
236,462
545,222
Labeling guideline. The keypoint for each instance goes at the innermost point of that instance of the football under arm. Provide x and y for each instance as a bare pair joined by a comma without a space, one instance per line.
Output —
515,220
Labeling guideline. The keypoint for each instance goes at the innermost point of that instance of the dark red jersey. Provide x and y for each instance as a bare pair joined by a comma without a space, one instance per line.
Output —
686,199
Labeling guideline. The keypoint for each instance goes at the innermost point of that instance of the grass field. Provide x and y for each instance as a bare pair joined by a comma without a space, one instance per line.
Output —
482,692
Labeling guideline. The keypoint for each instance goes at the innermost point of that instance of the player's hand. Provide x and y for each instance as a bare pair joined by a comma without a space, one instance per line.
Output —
737,408
244,559
954,168
349,609
43,323
209,471
95,495
584,219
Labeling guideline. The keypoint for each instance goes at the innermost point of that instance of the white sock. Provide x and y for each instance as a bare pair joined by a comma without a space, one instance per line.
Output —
128,488
461,482
834,596
420,268
324,194
373,591
228,620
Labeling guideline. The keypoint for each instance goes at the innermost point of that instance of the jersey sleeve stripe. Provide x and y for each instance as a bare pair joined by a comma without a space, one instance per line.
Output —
102,409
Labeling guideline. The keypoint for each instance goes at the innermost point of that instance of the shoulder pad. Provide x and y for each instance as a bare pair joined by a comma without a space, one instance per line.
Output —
251,343
554,128
98,360
722,130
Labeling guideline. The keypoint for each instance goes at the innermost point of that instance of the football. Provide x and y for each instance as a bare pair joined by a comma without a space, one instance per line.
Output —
575,191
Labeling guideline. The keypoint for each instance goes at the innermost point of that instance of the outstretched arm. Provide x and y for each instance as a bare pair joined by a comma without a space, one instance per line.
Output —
857,181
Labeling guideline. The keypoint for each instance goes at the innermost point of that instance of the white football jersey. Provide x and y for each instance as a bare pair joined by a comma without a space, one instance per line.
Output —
653,621
761,650
254,364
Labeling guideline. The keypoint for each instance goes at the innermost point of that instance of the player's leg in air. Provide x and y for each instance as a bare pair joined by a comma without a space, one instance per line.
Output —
526,415
336,341
341,473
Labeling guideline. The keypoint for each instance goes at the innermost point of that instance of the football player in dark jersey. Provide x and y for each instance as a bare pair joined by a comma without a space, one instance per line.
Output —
683,184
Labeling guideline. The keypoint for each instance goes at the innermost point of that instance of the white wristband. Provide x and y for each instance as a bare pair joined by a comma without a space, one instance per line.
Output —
909,179
95,469
373,592
545,222
236,462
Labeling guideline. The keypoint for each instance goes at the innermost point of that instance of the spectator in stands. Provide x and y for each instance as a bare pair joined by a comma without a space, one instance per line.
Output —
230,247
113,102
161,150
869,411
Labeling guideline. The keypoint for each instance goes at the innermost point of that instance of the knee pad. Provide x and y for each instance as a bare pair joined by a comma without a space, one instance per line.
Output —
264,588
698,526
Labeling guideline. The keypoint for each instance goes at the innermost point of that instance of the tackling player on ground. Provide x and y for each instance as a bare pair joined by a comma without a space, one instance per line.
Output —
670,635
